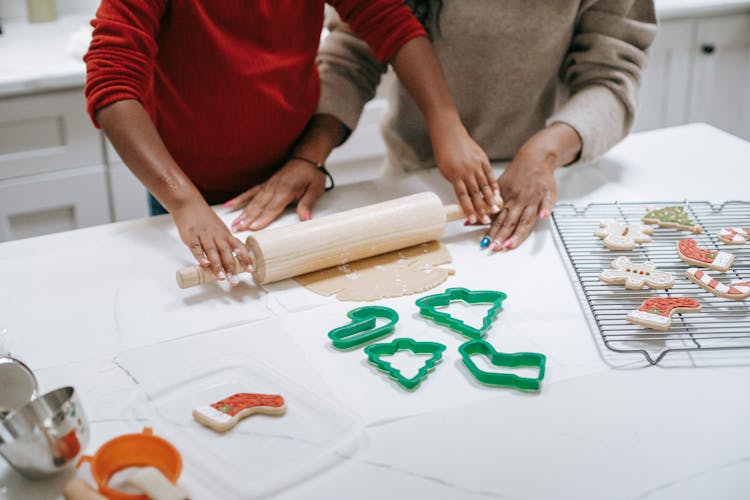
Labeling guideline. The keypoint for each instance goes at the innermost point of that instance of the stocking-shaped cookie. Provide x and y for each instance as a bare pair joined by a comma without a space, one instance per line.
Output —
690,252
636,276
736,290
734,235
618,236
657,312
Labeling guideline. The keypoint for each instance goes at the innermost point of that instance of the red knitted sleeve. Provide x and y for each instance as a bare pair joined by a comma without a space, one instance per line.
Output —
384,24
120,59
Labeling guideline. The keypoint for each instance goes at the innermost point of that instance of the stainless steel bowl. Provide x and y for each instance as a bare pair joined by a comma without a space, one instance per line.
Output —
46,435
17,385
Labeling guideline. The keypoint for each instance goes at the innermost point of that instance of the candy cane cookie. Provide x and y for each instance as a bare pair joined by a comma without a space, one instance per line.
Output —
636,276
223,415
674,217
734,235
690,252
618,236
736,290
657,312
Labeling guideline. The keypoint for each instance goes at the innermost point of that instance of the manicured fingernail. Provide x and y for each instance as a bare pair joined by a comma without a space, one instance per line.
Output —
544,214
233,279
495,246
486,219
485,241
236,221
509,242
472,219
221,275
250,268
495,208
308,216
228,203
498,199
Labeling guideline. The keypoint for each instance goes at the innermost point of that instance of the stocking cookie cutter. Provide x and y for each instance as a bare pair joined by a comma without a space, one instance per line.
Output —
375,351
362,328
500,359
428,308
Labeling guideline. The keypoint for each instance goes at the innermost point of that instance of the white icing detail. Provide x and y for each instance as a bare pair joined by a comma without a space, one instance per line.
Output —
617,236
723,259
213,414
648,317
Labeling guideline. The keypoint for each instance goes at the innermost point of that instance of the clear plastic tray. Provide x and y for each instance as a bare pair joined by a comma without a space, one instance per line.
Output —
261,454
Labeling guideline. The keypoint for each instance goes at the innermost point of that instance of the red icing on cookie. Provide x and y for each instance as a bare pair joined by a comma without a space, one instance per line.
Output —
689,248
664,305
238,402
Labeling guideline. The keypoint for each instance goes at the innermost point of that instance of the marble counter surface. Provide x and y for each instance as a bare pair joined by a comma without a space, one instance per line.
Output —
98,309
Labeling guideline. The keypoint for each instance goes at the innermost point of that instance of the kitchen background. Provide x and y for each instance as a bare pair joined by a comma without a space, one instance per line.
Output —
59,173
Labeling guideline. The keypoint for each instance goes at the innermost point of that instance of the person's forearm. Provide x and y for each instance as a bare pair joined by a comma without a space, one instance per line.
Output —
420,72
557,145
132,133
322,133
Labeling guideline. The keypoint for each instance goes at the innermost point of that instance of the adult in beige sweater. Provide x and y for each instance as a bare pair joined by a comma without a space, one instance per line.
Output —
542,84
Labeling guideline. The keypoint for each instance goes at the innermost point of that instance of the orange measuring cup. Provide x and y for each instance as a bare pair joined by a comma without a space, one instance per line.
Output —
132,450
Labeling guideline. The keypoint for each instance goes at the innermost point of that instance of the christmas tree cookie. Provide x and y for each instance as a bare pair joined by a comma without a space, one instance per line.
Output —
675,217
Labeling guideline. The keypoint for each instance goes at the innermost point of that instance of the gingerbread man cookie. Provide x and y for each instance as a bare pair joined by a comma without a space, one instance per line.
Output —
657,312
223,415
734,235
736,290
636,276
618,236
675,217
690,252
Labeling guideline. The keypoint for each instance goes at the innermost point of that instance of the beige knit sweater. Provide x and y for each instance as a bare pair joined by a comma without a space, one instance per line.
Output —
512,66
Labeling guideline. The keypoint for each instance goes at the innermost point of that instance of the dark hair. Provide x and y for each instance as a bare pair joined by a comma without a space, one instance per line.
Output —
423,9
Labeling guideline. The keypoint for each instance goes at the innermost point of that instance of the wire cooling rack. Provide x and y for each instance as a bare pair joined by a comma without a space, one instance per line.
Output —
721,323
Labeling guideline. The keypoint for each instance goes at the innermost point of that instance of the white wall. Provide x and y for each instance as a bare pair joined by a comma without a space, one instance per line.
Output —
17,8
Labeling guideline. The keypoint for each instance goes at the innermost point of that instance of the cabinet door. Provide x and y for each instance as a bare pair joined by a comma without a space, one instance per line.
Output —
129,197
48,203
721,76
46,133
666,81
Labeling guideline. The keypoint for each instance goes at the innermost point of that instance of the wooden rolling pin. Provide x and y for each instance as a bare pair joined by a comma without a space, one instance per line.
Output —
338,239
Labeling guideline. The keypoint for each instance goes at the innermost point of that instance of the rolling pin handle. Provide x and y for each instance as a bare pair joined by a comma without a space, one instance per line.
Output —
453,212
191,276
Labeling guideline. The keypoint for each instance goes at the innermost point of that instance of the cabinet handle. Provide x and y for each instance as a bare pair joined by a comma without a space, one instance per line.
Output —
708,48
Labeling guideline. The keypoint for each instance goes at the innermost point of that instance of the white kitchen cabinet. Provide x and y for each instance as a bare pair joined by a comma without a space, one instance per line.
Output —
129,197
52,202
699,72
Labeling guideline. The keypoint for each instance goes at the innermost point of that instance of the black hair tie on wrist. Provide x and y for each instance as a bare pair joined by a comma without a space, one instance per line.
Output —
320,167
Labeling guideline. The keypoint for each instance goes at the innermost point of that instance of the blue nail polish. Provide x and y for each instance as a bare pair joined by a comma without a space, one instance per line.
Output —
485,242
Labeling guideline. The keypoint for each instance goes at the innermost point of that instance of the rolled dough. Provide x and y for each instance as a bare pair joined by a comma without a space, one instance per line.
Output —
394,274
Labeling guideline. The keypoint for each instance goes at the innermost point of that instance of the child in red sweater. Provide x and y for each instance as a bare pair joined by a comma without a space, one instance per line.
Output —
207,102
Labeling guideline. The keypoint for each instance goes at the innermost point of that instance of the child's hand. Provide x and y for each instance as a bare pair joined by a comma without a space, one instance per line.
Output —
210,241
296,181
463,163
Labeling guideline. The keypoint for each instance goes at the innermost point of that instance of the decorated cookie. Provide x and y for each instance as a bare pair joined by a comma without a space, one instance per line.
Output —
675,217
223,415
734,235
618,236
736,290
657,312
636,276
690,252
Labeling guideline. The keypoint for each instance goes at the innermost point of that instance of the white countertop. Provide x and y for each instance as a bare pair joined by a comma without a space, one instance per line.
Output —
98,309
47,56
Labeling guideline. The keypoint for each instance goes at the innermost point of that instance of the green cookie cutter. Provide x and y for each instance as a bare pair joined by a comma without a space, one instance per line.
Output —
428,308
375,351
530,359
362,328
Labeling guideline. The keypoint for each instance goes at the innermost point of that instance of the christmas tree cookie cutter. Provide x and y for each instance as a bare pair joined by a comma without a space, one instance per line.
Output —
428,308
500,359
376,351
362,328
